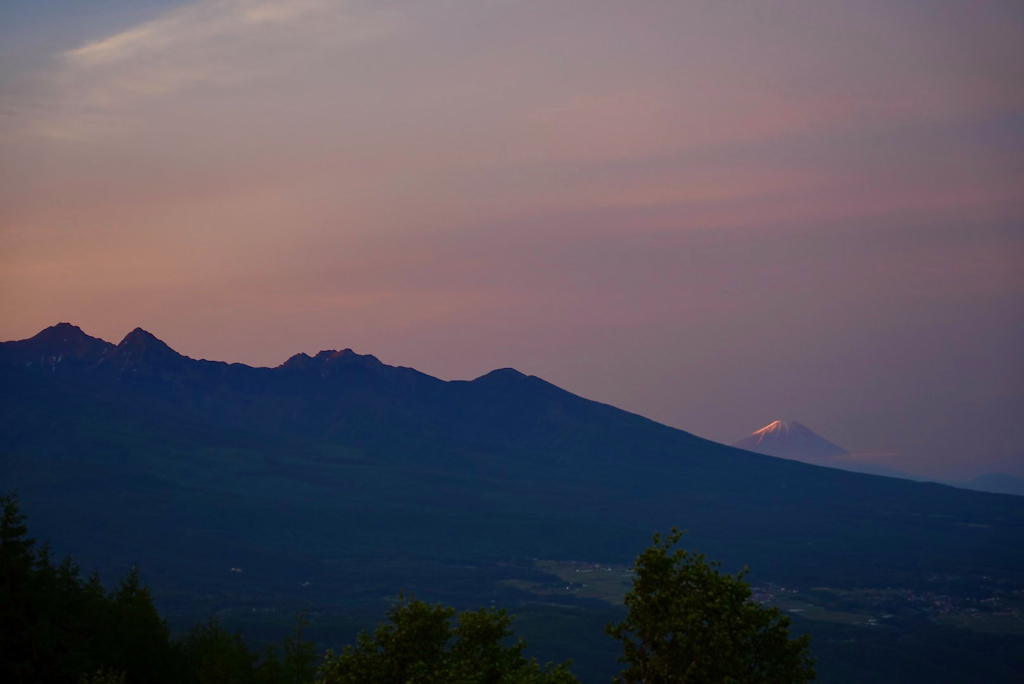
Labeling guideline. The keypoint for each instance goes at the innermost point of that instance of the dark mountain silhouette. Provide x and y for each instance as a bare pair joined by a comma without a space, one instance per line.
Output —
999,483
59,345
339,479
511,444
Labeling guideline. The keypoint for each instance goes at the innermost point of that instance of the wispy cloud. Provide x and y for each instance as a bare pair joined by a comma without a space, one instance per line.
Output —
204,43
228,41
233,30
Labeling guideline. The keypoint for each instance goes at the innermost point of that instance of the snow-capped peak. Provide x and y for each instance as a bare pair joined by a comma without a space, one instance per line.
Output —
778,427
790,439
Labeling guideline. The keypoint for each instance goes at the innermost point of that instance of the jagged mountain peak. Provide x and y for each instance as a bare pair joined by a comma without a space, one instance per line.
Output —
334,354
328,358
142,342
61,334
62,328
140,336
58,344
142,354
297,360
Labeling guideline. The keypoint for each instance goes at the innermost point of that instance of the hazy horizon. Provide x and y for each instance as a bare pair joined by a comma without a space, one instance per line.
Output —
714,215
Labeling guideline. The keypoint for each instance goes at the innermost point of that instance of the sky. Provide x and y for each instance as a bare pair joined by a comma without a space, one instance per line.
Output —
714,214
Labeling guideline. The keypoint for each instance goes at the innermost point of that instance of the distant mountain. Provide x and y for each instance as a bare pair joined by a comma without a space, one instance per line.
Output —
797,442
790,439
337,480
997,483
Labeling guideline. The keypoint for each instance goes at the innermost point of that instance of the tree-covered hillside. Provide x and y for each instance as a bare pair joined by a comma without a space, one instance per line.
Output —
334,481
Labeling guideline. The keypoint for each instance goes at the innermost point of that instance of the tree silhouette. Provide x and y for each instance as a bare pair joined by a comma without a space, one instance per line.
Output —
689,623
419,644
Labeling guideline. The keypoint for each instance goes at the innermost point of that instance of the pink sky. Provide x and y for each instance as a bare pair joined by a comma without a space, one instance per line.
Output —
713,214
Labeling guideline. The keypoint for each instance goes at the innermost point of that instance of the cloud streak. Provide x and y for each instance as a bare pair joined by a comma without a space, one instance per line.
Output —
202,46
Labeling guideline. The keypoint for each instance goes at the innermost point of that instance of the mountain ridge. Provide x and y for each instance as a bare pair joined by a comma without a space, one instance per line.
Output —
339,481
65,338
331,393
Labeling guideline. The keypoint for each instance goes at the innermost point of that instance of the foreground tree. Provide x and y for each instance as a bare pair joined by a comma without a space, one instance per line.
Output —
419,644
689,623
57,627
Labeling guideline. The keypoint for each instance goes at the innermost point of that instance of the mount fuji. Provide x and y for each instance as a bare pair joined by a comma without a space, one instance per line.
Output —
793,440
